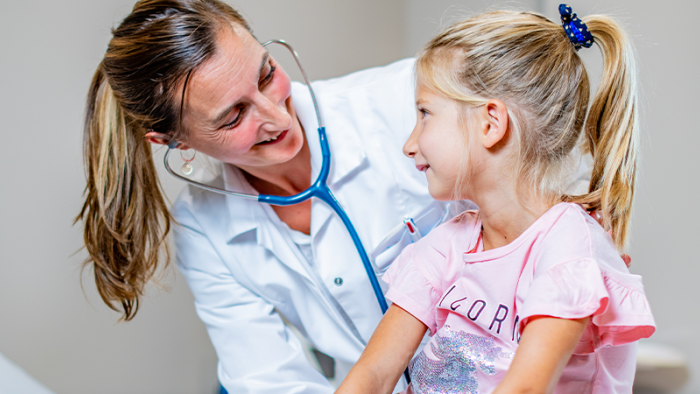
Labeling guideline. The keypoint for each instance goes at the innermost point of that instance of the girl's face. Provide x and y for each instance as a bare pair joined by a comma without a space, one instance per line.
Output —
437,143
238,106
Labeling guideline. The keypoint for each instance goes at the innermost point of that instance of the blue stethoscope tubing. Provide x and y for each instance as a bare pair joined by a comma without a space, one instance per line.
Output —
318,189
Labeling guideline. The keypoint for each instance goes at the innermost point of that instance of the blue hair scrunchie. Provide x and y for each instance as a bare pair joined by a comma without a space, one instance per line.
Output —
575,28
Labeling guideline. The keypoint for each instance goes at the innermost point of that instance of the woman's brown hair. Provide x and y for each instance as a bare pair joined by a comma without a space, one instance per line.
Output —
528,62
136,89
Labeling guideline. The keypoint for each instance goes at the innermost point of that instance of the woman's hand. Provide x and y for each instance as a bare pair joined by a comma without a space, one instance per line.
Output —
387,354
544,350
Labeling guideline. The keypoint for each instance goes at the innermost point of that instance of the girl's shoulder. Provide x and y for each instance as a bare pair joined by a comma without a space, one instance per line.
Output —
434,254
578,272
572,234
461,231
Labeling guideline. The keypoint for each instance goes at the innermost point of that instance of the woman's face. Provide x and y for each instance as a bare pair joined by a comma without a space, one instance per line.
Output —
238,106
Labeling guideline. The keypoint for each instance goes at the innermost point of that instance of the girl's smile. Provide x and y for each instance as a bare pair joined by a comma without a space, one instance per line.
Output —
437,142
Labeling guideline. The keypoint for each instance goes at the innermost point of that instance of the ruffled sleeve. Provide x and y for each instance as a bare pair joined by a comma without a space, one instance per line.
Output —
411,288
577,289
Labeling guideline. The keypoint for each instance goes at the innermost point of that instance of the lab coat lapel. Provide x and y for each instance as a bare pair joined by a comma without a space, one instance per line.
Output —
252,215
347,154
347,157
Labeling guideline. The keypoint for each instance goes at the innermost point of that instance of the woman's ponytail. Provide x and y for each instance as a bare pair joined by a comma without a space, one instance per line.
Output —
125,215
612,130
138,88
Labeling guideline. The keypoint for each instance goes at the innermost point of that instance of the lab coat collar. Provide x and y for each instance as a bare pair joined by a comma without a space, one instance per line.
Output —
250,215
244,215
347,153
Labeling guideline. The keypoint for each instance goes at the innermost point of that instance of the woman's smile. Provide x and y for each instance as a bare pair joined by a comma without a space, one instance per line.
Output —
274,140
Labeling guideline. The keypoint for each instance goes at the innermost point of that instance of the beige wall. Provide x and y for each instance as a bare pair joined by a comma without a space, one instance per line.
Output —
73,344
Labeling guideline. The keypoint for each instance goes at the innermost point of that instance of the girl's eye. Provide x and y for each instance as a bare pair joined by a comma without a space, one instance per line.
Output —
268,76
423,112
235,122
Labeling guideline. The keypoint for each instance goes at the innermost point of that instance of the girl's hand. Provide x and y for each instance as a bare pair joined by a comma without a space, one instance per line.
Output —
387,354
544,350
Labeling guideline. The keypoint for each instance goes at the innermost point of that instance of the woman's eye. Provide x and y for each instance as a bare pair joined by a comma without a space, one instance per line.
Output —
268,76
235,122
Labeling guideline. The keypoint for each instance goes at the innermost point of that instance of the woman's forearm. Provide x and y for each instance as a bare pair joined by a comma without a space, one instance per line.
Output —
387,354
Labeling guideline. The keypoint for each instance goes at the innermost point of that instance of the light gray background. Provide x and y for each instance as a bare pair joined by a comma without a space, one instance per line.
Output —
73,344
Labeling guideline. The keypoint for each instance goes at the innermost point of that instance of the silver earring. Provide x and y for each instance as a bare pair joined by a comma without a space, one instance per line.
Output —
187,167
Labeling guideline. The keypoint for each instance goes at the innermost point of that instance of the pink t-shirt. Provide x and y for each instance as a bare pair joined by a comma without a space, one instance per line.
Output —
476,303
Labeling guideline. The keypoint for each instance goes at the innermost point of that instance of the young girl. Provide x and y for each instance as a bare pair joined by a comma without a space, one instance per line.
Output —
529,293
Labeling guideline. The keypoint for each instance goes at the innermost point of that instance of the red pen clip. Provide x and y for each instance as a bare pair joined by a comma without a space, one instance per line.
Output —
413,231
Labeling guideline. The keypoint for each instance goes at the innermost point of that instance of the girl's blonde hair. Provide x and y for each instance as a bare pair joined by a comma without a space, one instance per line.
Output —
527,61
137,89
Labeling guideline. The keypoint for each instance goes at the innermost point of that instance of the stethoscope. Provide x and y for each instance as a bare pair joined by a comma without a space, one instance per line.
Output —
318,189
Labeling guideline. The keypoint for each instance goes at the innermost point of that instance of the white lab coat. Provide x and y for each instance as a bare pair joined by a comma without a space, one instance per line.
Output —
245,270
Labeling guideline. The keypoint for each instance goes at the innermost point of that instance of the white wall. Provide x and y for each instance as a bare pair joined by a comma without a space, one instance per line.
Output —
49,50
424,19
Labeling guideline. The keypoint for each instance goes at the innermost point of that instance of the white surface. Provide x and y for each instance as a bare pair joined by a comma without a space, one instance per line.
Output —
656,355
14,380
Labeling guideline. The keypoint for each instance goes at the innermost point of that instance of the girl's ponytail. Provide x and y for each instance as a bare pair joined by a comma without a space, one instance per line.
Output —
531,64
125,215
612,131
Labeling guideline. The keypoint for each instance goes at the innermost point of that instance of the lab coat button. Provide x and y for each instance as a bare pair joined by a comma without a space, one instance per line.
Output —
338,281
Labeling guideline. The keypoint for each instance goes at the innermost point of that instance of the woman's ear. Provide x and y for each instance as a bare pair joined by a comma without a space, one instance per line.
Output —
495,124
162,139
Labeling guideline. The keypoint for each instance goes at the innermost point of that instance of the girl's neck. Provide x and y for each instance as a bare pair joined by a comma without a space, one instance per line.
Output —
505,215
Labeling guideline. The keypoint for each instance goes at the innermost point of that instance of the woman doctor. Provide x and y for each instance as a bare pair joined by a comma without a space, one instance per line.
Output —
190,71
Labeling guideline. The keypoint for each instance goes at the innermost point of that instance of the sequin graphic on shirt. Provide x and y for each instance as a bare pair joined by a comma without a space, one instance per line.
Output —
458,354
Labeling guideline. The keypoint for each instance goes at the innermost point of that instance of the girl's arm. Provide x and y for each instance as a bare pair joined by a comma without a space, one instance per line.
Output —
387,354
544,350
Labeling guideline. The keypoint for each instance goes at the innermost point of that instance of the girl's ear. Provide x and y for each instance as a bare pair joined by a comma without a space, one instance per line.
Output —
162,139
495,124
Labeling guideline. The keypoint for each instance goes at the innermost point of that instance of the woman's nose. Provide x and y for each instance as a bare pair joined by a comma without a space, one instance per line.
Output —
410,148
274,114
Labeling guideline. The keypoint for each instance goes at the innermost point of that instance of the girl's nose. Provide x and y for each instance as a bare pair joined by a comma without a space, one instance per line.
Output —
410,148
